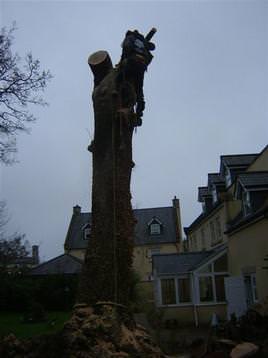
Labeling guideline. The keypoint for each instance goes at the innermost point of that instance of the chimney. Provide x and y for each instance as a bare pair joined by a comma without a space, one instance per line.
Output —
35,254
177,211
176,202
77,210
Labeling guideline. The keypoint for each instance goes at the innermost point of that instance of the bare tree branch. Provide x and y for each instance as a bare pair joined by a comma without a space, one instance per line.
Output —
18,88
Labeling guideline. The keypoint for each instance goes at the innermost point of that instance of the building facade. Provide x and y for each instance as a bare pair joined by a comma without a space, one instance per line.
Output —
234,219
157,231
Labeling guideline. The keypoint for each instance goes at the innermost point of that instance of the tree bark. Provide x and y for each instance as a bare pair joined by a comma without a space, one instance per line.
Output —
107,271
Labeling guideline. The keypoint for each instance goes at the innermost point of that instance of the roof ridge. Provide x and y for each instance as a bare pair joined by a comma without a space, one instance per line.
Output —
57,257
158,207
152,208
238,155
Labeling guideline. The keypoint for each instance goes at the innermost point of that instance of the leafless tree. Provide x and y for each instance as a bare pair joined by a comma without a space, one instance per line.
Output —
19,88
12,247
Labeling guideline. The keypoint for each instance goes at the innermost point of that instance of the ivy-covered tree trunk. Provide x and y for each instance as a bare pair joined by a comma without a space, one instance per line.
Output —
107,270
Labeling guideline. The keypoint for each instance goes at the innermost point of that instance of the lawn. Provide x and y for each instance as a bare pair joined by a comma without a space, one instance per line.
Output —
12,323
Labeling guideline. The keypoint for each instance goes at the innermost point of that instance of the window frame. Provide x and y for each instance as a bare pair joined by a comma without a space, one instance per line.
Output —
246,200
155,225
176,278
228,177
211,274
155,221
86,229
214,193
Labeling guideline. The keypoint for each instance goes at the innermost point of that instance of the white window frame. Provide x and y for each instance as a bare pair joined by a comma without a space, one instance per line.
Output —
246,202
214,194
155,222
190,303
228,177
254,287
86,229
155,229
211,274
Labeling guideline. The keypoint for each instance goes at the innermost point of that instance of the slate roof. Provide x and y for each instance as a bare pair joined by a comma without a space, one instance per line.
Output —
165,215
251,180
63,264
237,160
201,217
216,179
172,264
203,191
75,238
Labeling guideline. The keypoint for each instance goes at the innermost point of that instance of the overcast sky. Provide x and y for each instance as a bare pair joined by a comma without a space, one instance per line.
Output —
206,94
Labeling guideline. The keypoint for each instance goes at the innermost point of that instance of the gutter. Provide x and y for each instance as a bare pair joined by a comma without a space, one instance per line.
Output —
252,219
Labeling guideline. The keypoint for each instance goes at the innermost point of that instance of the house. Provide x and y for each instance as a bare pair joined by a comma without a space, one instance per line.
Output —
189,287
25,263
158,230
234,217
61,265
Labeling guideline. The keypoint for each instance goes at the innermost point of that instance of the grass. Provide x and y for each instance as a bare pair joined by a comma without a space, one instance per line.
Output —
12,323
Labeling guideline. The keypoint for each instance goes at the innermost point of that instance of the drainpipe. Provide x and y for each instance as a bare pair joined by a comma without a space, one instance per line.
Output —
194,301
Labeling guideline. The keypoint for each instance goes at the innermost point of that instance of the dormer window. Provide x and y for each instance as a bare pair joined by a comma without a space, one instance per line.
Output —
204,209
155,227
246,202
214,194
228,177
86,232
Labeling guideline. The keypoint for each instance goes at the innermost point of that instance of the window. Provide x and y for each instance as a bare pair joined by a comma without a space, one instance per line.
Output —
205,289
203,241
212,232
246,202
184,290
251,288
155,229
218,227
211,280
204,208
176,290
220,288
155,226
214,194
228,177
168,291
221,264
254,287
87,232
207,268
194,242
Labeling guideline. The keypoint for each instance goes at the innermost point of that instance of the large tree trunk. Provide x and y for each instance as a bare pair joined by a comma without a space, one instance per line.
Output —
107,270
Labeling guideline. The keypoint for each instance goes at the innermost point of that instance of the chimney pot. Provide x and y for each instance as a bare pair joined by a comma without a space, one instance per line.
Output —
176,202
35,254
77,209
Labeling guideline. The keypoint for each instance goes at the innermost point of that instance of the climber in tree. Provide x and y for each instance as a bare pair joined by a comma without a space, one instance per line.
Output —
136,56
